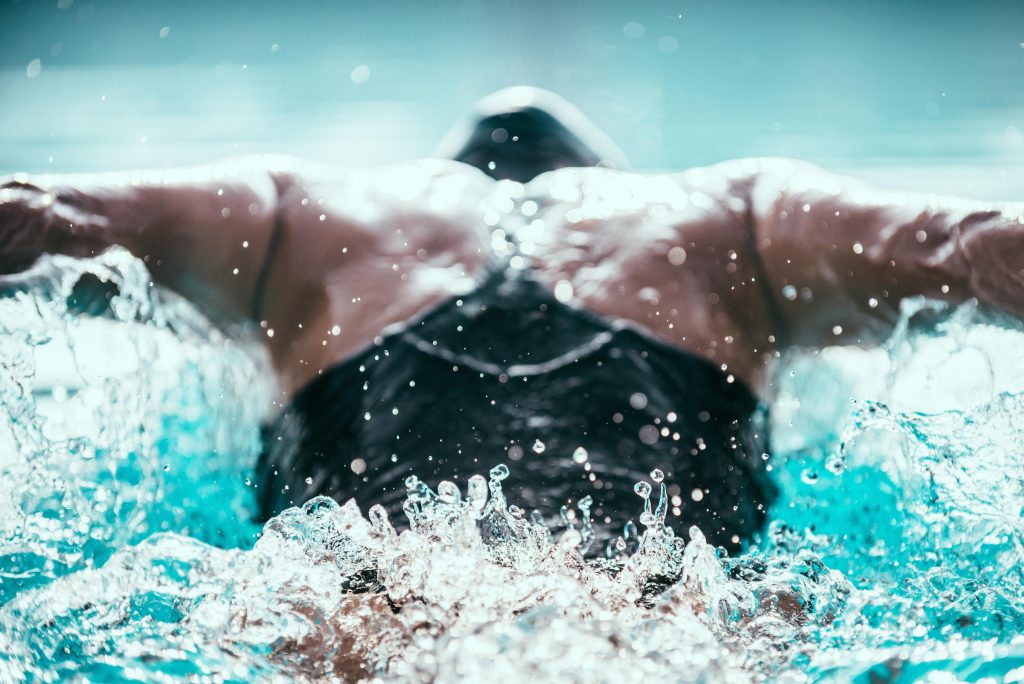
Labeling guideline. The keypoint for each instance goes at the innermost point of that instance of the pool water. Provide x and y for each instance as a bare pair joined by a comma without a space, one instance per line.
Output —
127,553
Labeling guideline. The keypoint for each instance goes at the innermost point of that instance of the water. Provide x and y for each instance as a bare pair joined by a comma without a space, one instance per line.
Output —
126,554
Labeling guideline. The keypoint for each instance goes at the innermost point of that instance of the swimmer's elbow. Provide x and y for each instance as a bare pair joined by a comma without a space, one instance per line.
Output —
991,247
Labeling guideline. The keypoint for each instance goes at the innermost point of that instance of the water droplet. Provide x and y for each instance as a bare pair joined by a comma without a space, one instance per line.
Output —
361,74
309,480
649,435
676,256
809,476
538,447
697,495
789,292
634,30
657,475
448,492
647,519
499,472
412,482
642,489
580,455
166,468
476,491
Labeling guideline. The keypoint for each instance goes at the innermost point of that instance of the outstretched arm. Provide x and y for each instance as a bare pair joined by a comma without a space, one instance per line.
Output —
203,232
841,255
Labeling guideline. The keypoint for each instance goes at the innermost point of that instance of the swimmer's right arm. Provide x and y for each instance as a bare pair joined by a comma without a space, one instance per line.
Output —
203,231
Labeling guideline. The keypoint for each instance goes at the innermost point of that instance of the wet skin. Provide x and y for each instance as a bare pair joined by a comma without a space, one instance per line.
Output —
733,262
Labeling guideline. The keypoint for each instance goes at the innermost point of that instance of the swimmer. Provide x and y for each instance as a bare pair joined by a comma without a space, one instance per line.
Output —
526,302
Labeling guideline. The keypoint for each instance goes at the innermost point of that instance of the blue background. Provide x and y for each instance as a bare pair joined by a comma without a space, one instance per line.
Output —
920,95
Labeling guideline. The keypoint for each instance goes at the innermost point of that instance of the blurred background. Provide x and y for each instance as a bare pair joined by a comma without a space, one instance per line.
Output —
917,95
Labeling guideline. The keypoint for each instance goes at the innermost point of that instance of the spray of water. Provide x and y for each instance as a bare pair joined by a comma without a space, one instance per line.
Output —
894,551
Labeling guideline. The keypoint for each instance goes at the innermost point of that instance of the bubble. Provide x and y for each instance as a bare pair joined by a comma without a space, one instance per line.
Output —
34,68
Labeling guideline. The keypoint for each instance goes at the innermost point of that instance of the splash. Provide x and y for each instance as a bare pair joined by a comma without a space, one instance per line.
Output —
893,553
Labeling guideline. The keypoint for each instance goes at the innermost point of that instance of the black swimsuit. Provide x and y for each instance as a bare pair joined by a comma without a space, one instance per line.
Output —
509,374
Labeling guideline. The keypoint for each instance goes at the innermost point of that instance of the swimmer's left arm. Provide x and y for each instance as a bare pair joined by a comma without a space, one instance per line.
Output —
840,255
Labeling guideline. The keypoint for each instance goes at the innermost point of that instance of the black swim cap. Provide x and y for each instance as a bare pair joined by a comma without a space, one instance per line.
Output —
519,133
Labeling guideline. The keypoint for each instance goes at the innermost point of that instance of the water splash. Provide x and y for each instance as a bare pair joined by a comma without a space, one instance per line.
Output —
894,551
95,409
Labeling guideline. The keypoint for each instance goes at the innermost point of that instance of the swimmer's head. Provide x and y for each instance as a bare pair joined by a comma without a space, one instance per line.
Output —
518,133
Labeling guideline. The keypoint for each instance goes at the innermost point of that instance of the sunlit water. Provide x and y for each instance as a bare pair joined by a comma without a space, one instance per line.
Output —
126,551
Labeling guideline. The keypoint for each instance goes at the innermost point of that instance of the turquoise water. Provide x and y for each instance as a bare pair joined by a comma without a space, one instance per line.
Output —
127,446
126,554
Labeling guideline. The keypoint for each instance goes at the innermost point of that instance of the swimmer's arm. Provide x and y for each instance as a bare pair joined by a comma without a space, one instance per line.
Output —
203,232
840,255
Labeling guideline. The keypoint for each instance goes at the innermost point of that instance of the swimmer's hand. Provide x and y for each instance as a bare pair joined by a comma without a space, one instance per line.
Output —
34,222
